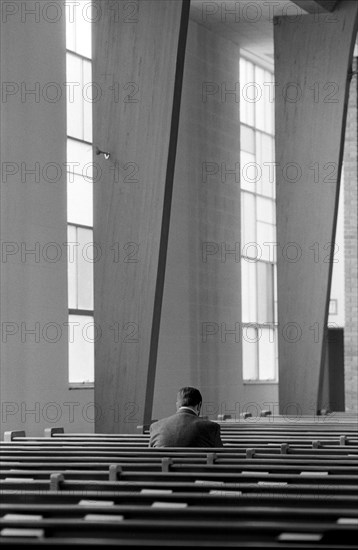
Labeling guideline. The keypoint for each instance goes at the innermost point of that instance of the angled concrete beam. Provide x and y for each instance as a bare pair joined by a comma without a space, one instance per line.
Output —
312,66
317,6
137,64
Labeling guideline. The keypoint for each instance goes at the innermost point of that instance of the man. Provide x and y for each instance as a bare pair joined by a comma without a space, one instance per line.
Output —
185,429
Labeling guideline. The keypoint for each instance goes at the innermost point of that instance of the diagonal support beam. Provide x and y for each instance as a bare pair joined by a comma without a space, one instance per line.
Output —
167,204
317,6
312,64
138,63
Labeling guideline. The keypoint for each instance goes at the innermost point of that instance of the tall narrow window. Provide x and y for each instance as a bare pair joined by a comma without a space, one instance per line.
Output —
79,194
258,224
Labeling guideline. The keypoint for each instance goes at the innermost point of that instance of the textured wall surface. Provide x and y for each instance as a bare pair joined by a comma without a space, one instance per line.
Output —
34,310
350,243
200,335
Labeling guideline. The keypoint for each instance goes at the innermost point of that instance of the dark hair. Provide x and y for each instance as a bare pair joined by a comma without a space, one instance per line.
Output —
189,397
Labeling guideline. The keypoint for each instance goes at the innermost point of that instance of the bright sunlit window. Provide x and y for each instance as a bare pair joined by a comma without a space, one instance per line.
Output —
80,193
258,224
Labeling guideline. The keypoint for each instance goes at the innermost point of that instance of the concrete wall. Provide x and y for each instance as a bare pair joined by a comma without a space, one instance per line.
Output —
127,211
34,365
202,296
308,51
337,317
351,255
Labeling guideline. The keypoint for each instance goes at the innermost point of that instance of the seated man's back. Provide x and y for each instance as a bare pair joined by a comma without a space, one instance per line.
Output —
185,429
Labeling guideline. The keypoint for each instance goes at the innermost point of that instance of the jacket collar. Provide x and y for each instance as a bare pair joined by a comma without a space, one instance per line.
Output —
187,410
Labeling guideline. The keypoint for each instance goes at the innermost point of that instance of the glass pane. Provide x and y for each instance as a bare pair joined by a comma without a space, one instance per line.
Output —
276,353
70,30
84,28
265,158
249,353
270,188
74,90
269,102
266,241
275,292
89,93
248,291
248,92
79,159
248,220
86,256
72,266
260,99
265,292
265,210
247,139
80,201
267,354
243,104
81,335
248,171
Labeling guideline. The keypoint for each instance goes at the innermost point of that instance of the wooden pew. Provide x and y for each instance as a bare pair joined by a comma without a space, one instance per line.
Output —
207,510
132,494
242,482
224,532
257,476
182,464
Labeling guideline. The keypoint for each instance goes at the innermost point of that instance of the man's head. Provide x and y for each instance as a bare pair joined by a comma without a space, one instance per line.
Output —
189,397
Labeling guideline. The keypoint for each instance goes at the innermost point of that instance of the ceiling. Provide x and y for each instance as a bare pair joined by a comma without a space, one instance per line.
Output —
247,23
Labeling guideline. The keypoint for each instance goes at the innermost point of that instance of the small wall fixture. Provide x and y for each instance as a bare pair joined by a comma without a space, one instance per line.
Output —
104,153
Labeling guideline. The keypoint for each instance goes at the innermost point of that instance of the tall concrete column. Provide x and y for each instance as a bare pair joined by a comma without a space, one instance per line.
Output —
313,56
34,310
350,245
140,55
200,338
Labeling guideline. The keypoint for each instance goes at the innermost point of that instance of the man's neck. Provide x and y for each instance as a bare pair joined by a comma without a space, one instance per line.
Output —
185,408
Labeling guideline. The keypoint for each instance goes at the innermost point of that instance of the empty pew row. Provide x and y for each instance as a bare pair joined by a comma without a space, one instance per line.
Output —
302,468
55,447
144,532
191,494
199,492
281,452
185,473
271,426
158,510
39,468
349,435
146,514
276,451
236,442
339,438
344,464
209,509
266,416
286,461
325,439
9,476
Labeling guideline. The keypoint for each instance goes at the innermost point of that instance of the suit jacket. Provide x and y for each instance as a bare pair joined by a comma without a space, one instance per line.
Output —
185,429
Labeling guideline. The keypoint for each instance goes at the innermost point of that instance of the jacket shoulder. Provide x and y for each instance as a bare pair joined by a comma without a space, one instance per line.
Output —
161,422
211,425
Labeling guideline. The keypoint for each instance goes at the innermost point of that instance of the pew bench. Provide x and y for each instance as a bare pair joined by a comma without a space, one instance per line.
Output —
209,464
222,531
193,494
